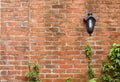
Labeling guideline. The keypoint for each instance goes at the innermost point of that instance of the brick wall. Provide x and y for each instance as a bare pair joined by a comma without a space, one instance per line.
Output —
14,40
52,33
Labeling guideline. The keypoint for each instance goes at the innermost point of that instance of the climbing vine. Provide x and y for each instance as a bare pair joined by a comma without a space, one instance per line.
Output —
111,67
91,70
33,74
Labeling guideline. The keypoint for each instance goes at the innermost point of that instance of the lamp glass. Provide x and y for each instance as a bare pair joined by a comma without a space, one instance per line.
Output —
90,23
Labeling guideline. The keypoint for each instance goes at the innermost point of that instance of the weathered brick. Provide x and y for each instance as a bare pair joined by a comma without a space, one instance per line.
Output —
52,33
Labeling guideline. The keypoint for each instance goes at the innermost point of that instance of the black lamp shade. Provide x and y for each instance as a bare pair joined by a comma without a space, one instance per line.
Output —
90,23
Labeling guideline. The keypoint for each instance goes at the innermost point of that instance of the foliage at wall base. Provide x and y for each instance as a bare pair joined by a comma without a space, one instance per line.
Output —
111,68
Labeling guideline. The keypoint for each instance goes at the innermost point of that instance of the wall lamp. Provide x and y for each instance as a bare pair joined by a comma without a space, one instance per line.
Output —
90,23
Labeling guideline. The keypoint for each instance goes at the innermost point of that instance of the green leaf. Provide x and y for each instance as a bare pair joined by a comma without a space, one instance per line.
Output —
93,80
68,80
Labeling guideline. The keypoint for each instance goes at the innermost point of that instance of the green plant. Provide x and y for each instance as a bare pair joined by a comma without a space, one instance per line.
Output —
88,52
93,80
91,70
111,68
33,74
68,80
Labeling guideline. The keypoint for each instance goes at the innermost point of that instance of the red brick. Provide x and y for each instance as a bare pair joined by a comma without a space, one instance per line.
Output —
52,33
66,66
59,80
47,80
65,75
52,76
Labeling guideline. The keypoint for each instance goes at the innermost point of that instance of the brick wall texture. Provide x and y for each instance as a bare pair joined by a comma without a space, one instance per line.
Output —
52,33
